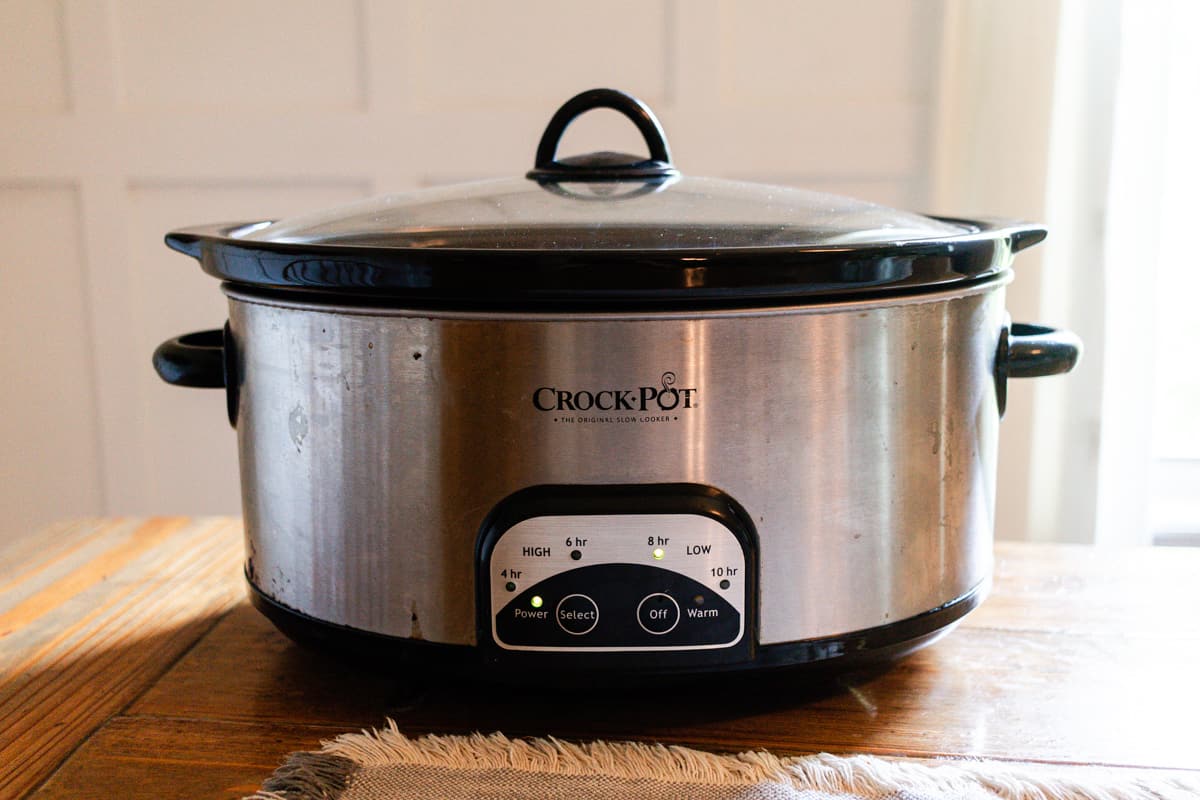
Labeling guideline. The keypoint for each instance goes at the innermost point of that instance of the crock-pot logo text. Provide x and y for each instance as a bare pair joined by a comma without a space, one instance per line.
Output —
641,399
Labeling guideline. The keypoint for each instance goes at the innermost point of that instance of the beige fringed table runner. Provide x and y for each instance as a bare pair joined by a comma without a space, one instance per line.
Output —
387,765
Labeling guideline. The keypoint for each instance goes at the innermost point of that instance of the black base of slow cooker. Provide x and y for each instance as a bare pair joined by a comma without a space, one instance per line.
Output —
864,649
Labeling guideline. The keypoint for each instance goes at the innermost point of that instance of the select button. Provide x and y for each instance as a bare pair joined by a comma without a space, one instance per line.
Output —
658,613
577,614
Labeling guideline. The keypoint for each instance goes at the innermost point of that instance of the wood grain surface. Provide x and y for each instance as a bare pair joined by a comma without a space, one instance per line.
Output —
1079,657
90,615
1014,695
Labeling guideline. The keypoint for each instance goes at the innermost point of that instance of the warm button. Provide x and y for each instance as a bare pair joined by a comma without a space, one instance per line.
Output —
577,614
658,613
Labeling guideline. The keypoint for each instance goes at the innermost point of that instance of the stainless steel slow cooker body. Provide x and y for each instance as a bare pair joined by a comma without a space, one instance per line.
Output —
616,485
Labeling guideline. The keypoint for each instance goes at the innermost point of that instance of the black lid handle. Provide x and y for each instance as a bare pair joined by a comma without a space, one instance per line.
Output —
603,166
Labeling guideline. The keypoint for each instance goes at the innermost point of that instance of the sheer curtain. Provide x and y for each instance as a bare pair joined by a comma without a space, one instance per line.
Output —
1148,487
1086,114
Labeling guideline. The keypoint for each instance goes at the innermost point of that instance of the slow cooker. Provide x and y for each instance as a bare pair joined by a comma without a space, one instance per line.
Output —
606,418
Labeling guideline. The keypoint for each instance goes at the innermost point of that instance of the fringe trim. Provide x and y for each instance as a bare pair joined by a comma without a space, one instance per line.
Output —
867,776
308,776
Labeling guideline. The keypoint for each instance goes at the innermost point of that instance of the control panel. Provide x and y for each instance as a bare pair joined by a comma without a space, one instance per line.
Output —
616,582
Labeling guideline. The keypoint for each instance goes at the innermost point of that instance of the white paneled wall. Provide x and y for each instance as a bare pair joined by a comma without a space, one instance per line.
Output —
121,119
230,56
49,432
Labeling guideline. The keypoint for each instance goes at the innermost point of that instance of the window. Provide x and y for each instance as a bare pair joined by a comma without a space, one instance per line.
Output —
1150,470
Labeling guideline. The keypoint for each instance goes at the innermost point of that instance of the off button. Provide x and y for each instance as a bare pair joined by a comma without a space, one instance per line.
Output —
658,613
577,614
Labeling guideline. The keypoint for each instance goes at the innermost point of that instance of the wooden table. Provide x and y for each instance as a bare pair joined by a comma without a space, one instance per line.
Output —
131,666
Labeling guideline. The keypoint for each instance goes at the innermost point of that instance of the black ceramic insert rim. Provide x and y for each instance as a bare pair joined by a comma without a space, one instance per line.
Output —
500,278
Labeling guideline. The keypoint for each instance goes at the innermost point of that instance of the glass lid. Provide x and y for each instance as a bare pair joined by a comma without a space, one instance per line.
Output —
677,213
606,201
606,229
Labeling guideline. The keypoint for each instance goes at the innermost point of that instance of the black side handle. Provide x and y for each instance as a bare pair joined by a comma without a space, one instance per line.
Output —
1032,351
194,359
603,166
205,360
1037,350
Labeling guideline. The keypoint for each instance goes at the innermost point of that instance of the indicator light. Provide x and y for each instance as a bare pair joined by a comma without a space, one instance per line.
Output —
576,555
658,553
725,584
536,601
510,586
